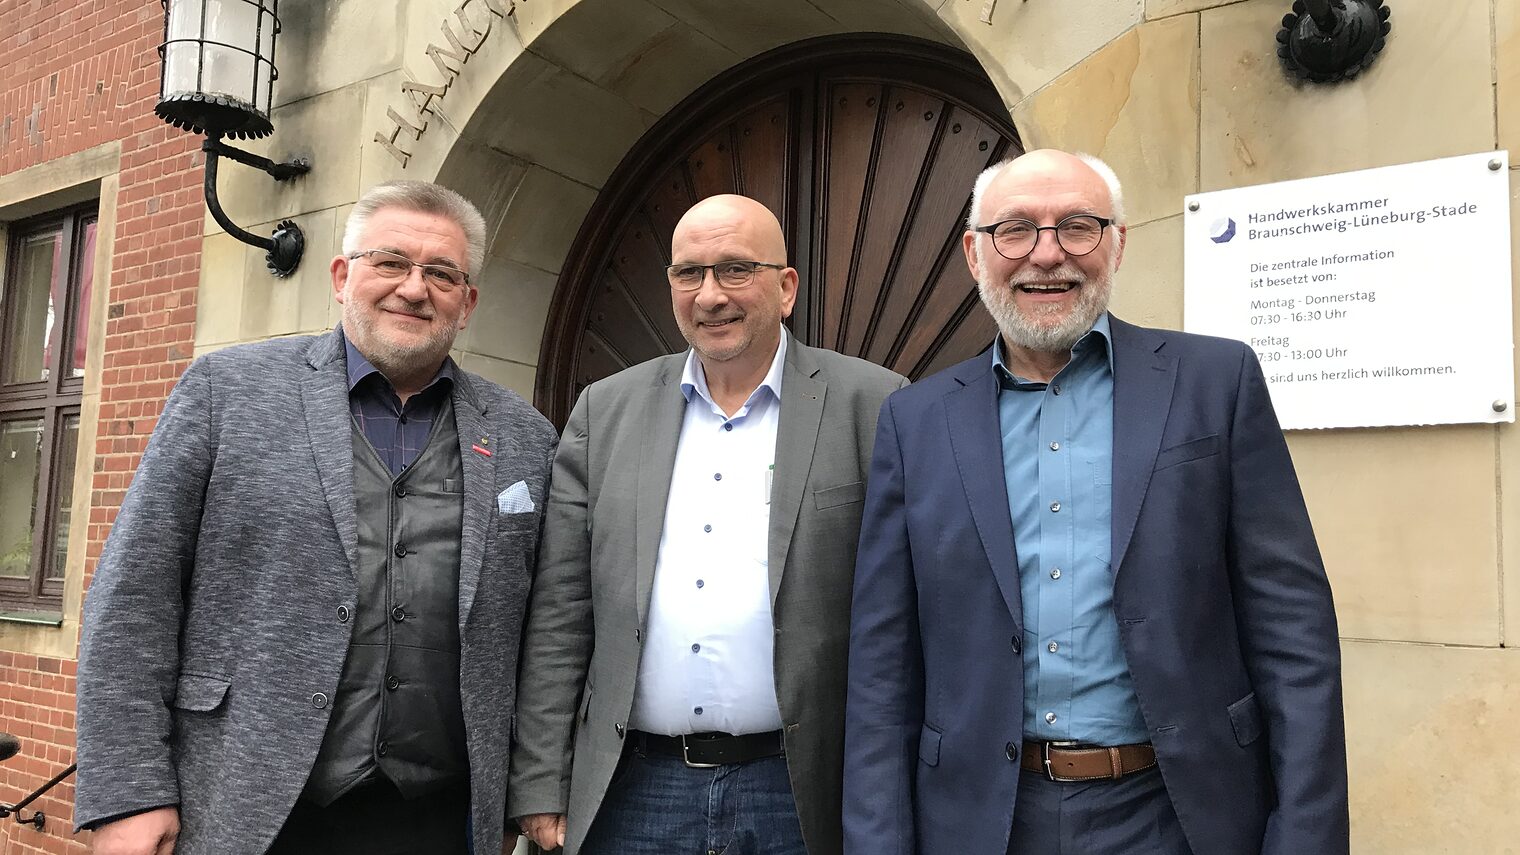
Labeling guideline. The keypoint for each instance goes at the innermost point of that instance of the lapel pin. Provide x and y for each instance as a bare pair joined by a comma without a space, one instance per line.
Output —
481,451
485,440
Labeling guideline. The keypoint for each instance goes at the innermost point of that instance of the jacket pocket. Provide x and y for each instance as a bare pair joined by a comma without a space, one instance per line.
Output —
1245,718
928,746
200,692
844,494
1193,449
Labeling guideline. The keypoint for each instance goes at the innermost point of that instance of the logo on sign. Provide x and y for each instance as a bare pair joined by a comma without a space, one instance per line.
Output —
1222,230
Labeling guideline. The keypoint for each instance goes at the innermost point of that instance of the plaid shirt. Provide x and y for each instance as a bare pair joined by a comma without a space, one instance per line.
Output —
397,433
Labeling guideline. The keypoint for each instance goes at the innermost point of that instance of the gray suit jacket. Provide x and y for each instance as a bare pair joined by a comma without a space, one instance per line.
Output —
212,625
591,594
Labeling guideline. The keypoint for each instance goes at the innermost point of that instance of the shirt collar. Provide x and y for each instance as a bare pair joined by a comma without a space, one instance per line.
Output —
360,368
1098,339
694,379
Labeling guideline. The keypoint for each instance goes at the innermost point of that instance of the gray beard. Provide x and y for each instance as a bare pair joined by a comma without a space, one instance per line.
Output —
401,366
1027,330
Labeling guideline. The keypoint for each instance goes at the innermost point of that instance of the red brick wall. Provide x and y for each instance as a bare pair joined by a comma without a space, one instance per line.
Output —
75,74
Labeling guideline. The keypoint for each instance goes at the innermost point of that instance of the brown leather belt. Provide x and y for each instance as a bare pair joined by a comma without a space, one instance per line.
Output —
1072,762
709,750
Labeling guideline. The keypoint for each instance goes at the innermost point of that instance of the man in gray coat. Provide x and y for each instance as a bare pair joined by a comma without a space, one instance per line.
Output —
302,636
682,685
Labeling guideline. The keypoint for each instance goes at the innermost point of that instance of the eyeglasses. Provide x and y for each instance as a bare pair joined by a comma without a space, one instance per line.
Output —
1077,235
730,274
393,267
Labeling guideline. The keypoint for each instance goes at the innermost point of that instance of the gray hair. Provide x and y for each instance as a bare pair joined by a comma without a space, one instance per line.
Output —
423,197
1115,191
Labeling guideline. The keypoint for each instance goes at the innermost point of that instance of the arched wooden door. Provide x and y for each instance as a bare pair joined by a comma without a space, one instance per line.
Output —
865,147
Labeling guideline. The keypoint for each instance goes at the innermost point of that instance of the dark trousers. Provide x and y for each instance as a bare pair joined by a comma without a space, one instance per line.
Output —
1130,816
374,819
657,805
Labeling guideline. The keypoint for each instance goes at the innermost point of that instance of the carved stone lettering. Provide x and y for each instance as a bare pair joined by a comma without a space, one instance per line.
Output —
422,94
389,144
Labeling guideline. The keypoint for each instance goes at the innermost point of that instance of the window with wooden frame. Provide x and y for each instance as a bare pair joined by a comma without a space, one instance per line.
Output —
44,332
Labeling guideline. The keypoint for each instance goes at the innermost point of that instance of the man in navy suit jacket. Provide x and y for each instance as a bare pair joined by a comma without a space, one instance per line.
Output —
1089,612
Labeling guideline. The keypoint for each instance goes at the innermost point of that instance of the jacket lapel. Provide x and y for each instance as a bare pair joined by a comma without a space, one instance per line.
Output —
661,422
329,428
802,393
976,440
1143,381
479,487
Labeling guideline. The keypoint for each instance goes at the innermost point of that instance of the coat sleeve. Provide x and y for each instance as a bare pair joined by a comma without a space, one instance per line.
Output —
557,641
884,709
129,643
1287,628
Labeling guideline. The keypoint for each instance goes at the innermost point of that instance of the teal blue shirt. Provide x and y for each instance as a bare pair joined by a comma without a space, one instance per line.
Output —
1058,444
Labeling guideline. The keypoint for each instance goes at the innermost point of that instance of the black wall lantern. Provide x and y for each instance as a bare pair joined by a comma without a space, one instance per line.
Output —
1328,40
217,79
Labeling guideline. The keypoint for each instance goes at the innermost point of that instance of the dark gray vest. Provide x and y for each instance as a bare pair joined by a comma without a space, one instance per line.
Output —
397,708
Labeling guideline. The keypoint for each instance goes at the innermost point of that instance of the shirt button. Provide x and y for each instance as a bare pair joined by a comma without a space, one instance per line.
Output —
1018,646
1055,507
700,583
697,710
1056,388
342,614
717,476
1011,750
728,427
400,550
696,648
1055,446
392,683
1056,573
707,528
1053,647
400,491
398,614
1050,718
319,700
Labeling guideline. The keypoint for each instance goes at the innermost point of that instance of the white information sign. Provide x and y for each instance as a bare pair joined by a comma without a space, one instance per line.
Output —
1373,298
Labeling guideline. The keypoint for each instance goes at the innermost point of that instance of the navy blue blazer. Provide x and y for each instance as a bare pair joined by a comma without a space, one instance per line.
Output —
1223,606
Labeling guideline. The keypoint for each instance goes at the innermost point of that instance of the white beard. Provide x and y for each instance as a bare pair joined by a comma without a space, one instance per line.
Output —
1043,330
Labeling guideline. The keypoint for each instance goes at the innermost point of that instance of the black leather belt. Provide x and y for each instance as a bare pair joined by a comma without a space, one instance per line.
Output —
708,750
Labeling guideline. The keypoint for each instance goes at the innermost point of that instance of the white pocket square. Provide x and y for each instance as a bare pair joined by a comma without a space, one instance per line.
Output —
514,500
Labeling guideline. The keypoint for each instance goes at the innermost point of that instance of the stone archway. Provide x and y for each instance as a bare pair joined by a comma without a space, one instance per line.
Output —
532,132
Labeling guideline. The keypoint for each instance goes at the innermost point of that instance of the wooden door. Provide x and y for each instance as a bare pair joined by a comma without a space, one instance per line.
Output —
865,147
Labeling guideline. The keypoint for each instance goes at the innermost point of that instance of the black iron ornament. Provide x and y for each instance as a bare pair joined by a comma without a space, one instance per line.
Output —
1324,41
217,78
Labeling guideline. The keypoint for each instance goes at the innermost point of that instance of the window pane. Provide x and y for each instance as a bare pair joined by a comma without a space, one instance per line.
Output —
36,288
20,461
63,494
84,280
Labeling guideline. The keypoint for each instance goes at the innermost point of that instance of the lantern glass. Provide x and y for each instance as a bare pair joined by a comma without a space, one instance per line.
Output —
218,65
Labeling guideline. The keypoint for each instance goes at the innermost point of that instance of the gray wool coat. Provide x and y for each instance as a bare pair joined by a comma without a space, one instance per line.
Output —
211,640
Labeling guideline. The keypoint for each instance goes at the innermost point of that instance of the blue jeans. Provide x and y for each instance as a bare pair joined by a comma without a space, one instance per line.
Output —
1130,816
656,805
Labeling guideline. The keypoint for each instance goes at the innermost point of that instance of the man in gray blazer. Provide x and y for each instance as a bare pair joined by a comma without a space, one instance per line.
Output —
682,685
302,636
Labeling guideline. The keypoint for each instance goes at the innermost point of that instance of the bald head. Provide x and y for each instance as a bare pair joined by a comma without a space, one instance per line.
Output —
735,216
1043,171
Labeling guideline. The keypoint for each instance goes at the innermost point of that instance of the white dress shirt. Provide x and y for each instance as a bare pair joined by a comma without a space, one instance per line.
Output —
706,663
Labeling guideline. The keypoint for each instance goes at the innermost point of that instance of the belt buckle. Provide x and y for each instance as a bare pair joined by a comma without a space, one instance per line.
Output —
1049,771
686,757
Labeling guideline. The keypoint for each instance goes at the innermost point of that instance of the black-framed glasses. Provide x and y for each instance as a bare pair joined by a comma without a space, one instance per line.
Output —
393,267
730,274
1077,235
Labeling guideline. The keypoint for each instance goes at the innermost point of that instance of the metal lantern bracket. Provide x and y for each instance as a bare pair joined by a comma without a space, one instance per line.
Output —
282,250
1324,41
